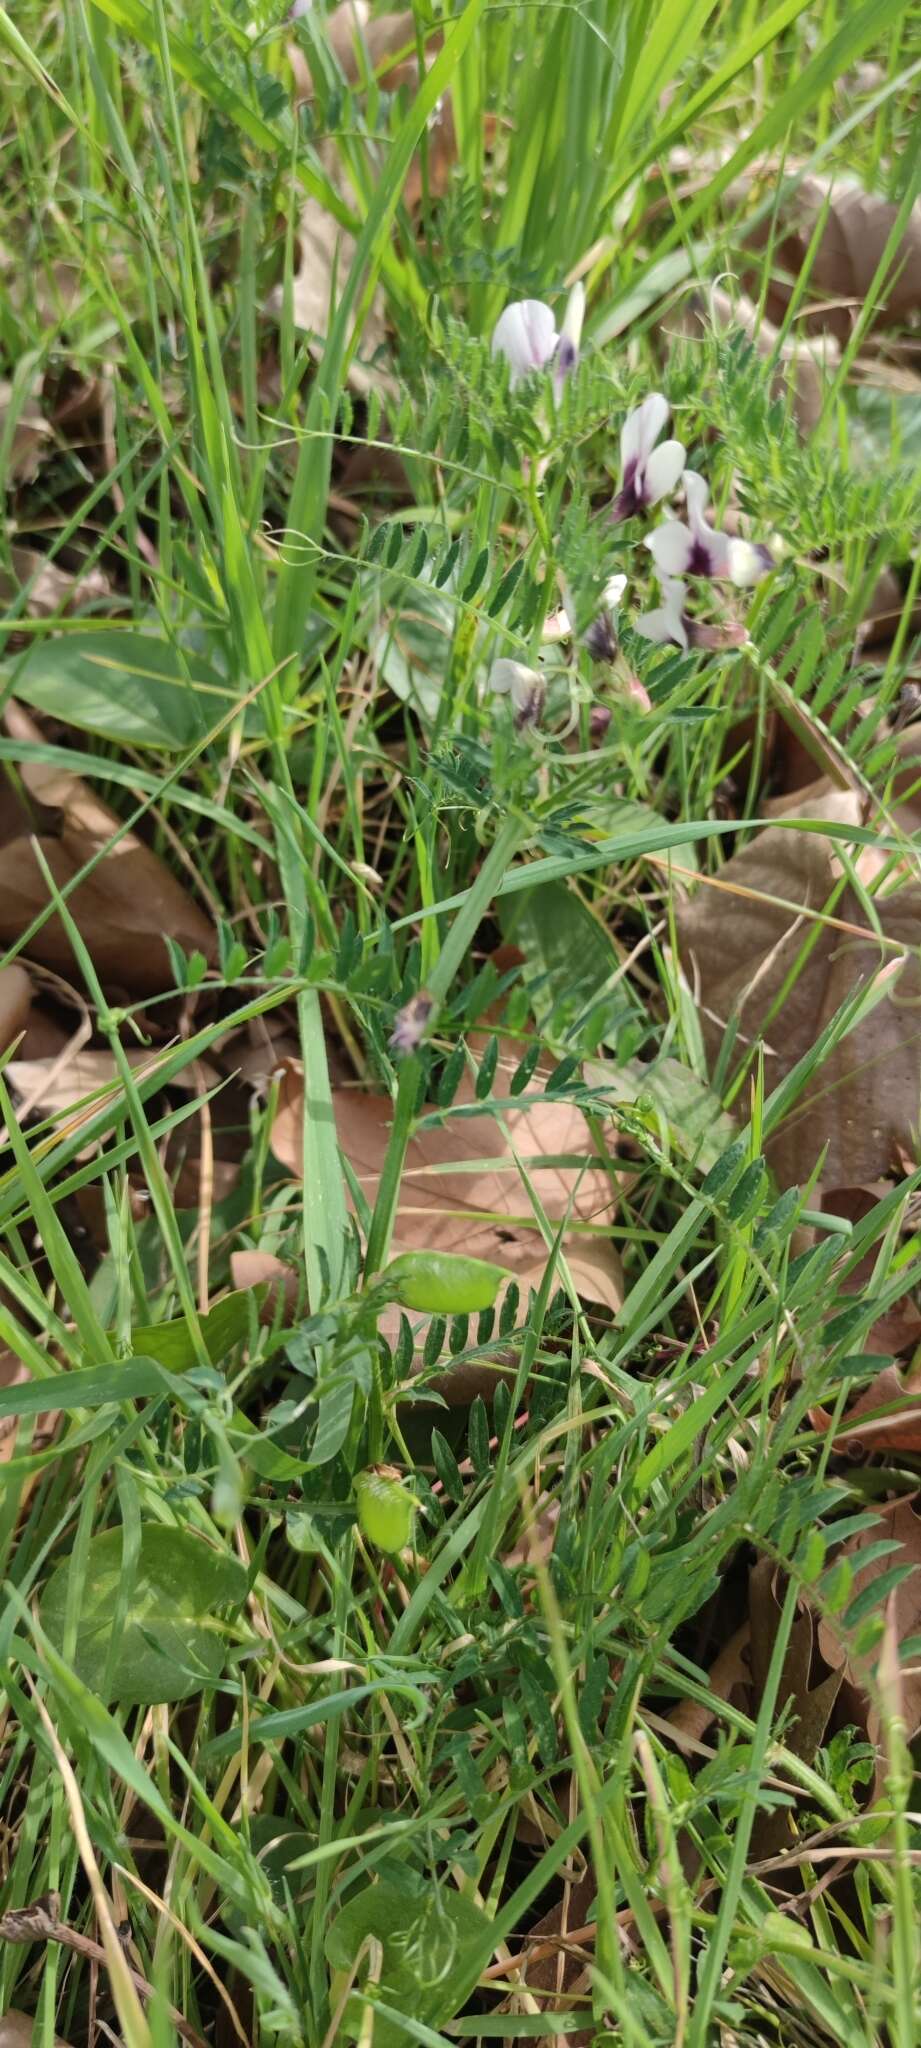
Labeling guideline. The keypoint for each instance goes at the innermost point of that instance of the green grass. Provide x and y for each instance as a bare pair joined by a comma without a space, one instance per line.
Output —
308,1789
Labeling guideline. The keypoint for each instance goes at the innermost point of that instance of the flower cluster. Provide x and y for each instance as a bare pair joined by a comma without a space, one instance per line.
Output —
652,470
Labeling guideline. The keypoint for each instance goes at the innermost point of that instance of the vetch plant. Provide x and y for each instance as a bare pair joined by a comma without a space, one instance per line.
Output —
695,548
526,336
525,688
648,472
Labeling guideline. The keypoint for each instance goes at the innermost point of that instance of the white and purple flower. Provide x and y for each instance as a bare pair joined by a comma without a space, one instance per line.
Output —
671,625
695,548
648,473
600,637
567,355
525,688
525,334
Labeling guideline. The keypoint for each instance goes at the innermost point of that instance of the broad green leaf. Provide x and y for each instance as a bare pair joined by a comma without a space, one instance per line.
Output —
428,1939
169,1641
698,1125
124,685
413,649
224,1326
96,1387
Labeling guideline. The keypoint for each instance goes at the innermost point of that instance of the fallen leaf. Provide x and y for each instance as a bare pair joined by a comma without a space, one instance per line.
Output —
898,1523
12,1374
359,41
31,435
127,906
15,1003
55,1085
738,949
461,1190
326,250
900,1430
19,2030
560,1966
53,589
286,1293
850,247
899,1330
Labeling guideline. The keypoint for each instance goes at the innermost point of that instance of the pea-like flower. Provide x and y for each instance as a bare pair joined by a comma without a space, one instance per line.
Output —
669,623
647,472
567,355
600,637
411,1023
695,548
525,334
525,687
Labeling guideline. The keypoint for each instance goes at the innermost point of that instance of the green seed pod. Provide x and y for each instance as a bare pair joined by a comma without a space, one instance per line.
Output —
385,1508
442,1283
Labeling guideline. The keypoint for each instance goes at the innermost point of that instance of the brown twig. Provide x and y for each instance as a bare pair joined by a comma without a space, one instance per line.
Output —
40,1922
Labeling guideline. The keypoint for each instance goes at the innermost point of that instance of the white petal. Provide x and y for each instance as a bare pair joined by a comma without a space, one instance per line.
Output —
661,626
653,416
663,469
630,439
614,590
697,497
500,677
719,547
571,329
558,626
671,546
746,564
525,334
515,678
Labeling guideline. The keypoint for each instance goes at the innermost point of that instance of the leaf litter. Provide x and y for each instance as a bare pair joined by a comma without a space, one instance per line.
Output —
740,944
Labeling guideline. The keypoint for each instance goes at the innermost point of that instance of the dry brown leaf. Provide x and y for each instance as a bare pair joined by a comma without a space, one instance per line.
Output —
286,1300
325,250
359,41
54,589
898,1431
19,2030
810,1704
12,1374
899,1523
461,1190
850,248
739,948
15,1003
56,1084
30,435
125,909
560,1964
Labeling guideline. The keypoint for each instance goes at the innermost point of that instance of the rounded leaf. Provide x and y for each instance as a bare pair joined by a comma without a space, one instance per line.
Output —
432,1944
169,1640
